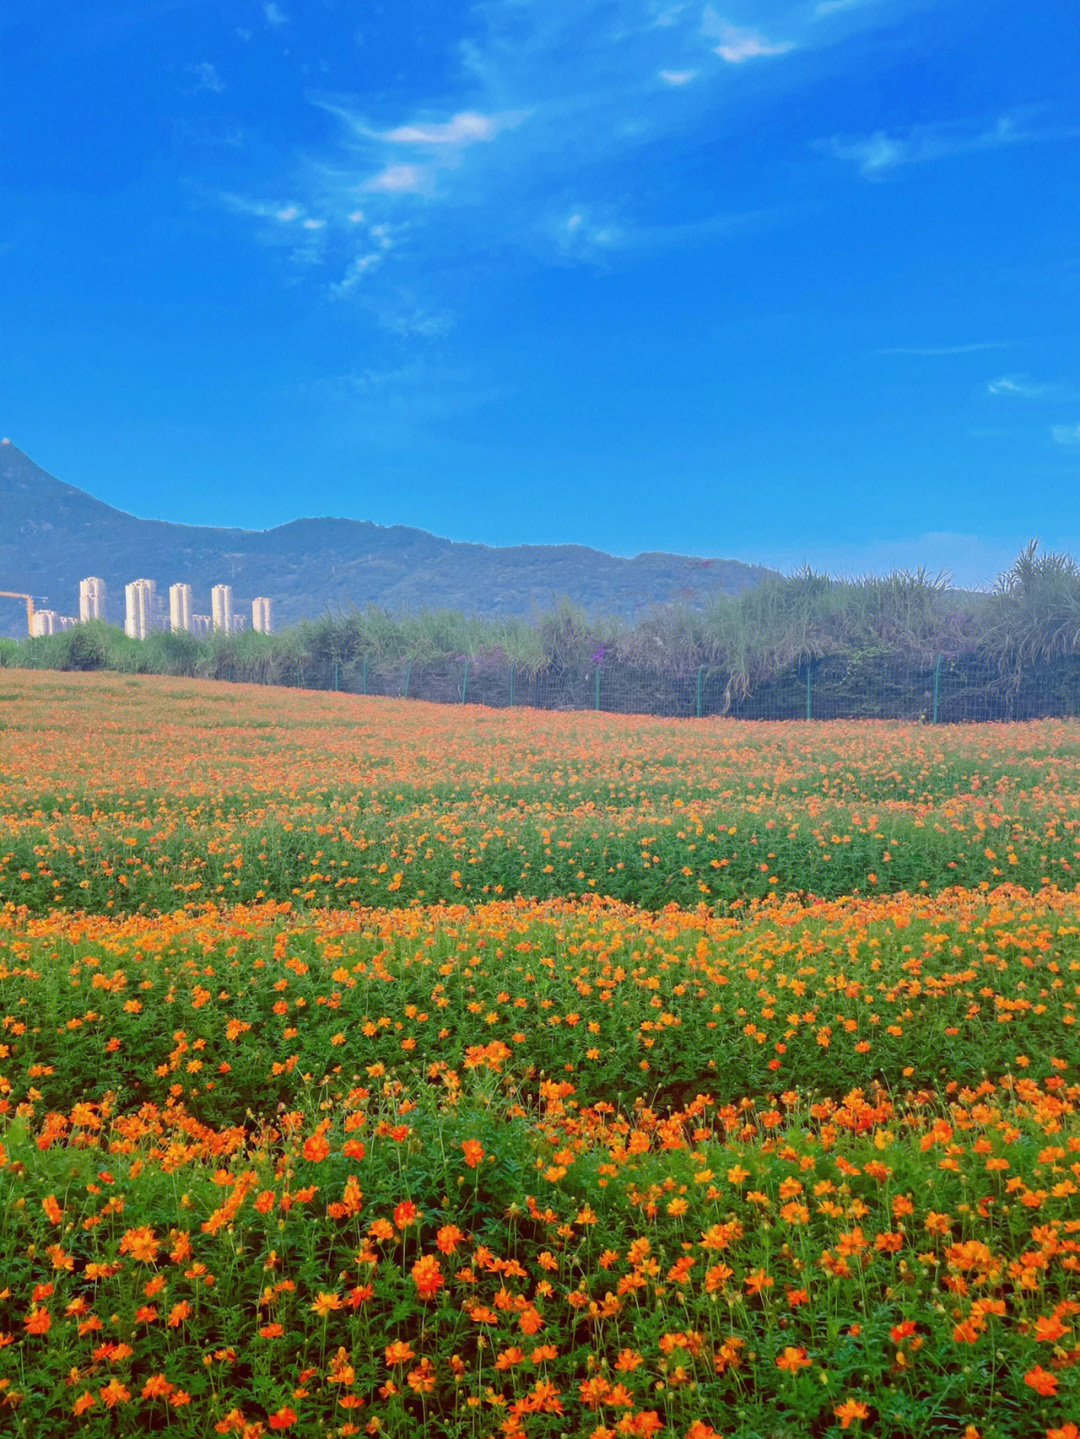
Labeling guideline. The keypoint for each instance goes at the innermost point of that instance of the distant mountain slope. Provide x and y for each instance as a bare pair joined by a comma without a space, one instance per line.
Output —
52,535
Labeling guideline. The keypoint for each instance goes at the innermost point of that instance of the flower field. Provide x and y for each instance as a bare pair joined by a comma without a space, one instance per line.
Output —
121,794
367,1068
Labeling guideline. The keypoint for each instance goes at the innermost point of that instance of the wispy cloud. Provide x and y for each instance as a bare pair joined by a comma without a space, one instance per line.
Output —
940,350
399,180
358,267
583,234
738,44
205,78
1066,435
467,128
534,145
834,7
1020,387
875,155
1016,385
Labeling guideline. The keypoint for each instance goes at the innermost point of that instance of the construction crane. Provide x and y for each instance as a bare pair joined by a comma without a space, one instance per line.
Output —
18,595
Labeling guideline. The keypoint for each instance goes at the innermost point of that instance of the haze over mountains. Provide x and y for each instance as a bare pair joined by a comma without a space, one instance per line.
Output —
52,535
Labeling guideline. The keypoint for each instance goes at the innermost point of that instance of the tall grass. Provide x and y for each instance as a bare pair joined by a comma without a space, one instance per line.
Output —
1031,616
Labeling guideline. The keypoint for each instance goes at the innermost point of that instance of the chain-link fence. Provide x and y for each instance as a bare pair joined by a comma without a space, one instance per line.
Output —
942,691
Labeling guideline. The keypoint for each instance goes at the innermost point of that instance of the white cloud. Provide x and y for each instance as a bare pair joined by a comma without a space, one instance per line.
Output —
878,153
1066,434
666,15
531,142
400,179
1021,388
242,205
874,154
1015,385
358,267
738,44
466,128
832,7
583,235
206,78
939,350
314,224
290,212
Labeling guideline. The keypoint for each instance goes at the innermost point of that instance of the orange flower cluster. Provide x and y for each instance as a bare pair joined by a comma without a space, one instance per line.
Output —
334,799
561,1164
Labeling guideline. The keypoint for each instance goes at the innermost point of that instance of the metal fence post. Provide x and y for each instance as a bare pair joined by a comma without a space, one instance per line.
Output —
599,668
513,667
337,671
408,677
465,682
810,690
701,671
363,678
937,687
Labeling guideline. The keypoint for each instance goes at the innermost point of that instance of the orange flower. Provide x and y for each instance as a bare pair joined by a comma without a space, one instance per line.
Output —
157,1387
427,1276
114,1393
793,1359
316,1149
406,1213
38,1321
849,1411
1041,1381
448,1238
283,1418
399,1352
473,1151
141,1244
1049,1328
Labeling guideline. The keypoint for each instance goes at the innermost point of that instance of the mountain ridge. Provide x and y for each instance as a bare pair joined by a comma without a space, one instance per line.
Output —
53,534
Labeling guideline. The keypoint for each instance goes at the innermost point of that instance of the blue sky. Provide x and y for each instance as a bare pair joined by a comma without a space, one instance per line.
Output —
785,282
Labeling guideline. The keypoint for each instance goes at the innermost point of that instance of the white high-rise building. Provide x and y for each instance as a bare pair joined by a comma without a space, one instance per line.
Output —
221,608
200,624
262,615
140,608
180,607
46,622
91,599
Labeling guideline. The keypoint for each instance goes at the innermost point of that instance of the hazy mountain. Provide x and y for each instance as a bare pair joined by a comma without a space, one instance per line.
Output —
52,535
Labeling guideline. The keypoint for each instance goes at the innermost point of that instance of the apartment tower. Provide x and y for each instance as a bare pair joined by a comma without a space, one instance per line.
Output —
91,599
46,622
221,608
262,615
140,608
180,607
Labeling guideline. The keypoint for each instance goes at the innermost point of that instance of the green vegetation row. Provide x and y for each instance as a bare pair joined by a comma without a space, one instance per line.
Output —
802,646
